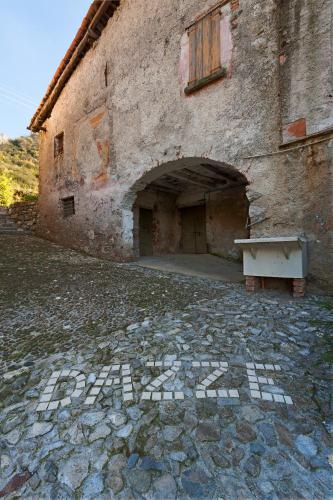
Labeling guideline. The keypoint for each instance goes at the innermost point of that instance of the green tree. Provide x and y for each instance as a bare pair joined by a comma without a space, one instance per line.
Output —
19,162
6,190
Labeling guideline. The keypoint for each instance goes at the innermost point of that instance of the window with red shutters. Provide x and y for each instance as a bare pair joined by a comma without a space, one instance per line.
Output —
205,50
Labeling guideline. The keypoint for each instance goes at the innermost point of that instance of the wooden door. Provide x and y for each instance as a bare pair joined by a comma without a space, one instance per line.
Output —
194,229
146,231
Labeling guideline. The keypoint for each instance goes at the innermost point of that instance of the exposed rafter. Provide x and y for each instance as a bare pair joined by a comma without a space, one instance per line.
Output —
209,178
162,182
164,189
198,179
204,177
220,172
188,178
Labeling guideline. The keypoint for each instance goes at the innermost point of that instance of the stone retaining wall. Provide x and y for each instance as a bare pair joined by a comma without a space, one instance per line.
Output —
24,214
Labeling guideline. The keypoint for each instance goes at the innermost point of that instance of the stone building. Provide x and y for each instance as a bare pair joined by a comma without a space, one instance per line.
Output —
180,125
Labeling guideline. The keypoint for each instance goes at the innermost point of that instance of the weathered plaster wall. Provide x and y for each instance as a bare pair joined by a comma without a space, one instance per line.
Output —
226,215
116,134
226,218
306,83
306,64
166,221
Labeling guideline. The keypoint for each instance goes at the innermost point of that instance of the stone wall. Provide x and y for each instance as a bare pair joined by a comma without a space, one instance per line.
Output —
24,214
227,219
141,121
166,223
306,71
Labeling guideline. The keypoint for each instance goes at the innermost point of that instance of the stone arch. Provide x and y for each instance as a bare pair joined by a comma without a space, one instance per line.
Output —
171,191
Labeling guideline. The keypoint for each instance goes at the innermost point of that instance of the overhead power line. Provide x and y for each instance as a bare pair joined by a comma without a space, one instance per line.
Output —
11,99
17,94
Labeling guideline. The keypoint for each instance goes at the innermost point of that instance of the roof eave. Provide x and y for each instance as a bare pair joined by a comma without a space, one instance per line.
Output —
90,30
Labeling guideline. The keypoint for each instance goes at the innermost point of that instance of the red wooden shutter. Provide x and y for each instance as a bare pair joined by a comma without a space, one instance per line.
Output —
192,34
199,58
204,40
215,41
206,45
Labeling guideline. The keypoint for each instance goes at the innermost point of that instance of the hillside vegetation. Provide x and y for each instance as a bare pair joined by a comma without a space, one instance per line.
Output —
19,169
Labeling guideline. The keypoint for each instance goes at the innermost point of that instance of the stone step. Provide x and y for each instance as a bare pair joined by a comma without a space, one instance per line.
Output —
4,217
6,222
7,226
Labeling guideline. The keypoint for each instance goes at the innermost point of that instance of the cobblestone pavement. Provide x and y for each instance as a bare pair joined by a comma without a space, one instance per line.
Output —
123,382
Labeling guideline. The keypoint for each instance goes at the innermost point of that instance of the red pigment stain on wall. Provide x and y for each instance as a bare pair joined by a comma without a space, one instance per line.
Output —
282,59
294,130
95,120
104,152
101,179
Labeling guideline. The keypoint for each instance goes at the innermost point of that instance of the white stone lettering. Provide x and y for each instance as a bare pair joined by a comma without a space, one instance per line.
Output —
152,391
203,389
111,376
264,387
46,403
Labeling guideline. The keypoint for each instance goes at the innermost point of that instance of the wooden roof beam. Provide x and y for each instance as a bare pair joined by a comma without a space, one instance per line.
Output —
155,187
218,171
206,178
165,184
191,180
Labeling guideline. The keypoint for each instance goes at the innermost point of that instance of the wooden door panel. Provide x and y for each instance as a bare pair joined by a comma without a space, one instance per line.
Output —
146,231
194,229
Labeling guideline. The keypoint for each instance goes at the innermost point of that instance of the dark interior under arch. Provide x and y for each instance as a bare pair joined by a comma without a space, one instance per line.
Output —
193,207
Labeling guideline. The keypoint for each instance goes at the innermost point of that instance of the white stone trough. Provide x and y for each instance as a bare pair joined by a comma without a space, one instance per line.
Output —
279,257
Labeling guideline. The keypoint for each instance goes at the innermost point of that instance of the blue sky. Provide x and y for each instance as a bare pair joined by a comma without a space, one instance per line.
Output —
34,37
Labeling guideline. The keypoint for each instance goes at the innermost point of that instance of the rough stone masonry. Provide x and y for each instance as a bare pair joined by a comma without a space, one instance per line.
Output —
164,106
160,386
24,214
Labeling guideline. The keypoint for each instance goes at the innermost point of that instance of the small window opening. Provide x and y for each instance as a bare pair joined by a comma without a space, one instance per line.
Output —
68,205
106,75
59,144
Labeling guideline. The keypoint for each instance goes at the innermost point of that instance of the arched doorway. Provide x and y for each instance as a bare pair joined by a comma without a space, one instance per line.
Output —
191,206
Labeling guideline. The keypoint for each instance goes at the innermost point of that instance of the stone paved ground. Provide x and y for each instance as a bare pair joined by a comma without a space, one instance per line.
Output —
165,363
